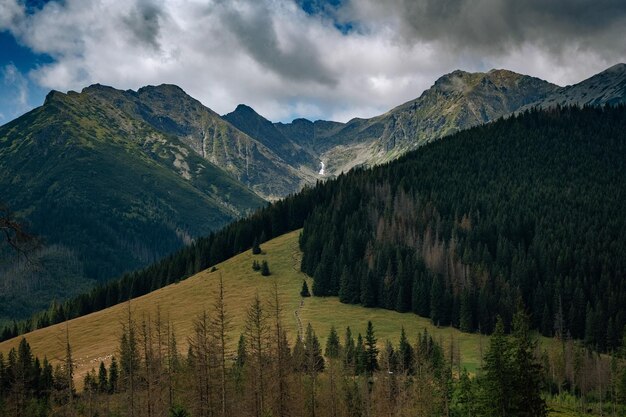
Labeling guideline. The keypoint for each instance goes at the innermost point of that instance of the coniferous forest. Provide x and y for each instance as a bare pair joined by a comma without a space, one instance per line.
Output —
265,373
527,208
504,229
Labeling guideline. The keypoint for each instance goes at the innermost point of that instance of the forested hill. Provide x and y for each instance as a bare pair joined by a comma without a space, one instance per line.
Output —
458,231
529,207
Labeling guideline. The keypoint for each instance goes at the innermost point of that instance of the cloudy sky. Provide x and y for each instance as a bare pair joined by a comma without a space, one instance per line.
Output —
328,59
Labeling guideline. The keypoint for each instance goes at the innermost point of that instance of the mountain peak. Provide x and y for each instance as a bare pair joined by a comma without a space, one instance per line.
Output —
504,73
245,109
617,68
94,88
53,96
162,88
617,71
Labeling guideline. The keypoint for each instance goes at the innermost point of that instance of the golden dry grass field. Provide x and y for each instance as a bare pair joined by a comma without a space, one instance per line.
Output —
97,335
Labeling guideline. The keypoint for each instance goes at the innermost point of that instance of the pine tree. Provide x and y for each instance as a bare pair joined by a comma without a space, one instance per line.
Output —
129,356
113,376
265,269
304,292
496,375
406,354
313,359
526,375
297,357
333,346
463,399
345,295
241,352
360,357
371,351
349,354
103,379
465,319
240,362
46,382
69,366
437,301
256,249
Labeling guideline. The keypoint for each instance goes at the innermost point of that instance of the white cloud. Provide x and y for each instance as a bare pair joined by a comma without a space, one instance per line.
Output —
17,84
268,54
10,14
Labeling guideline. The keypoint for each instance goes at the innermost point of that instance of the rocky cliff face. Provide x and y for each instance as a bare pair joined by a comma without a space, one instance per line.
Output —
168,109
456,101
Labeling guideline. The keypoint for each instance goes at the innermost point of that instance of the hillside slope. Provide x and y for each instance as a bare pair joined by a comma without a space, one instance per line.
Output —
105,193
96,336
527,208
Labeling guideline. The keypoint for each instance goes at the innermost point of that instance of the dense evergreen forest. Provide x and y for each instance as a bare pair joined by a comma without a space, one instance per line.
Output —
263,374
531,207
526,208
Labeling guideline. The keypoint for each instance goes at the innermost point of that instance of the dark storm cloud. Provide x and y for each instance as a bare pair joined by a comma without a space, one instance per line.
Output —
331,59
143,22
297,58
495,25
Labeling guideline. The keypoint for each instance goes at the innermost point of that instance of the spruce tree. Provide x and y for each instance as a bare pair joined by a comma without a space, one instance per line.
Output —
437,301
297,357
496,391
241,352
304,292
46,382
463,403
313,360
256,249
349,358
360,356
465,319
371,351
345,295
103,380
113,376
265,269
405,353
129,356
526,376
333,346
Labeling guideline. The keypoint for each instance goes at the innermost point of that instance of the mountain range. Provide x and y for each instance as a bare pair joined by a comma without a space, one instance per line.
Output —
112,180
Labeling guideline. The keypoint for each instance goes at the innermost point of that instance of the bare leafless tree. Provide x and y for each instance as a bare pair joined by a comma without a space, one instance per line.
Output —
14,232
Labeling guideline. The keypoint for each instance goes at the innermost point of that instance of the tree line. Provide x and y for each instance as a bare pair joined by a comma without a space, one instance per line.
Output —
264,374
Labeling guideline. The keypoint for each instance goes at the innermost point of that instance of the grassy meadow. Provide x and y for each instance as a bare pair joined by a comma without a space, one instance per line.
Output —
95,337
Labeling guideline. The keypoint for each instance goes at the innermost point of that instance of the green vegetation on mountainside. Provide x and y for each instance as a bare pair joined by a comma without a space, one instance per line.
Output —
529,208
457,231
104,193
